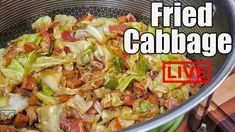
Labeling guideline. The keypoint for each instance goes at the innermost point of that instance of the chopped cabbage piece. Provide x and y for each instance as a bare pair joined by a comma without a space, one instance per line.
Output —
116,101
49,117
80,104
145,106
27,61
101,92
128,114
52,79
106,115
126,81
46,62
104,21
63,19
16,102
99,35
103,55
42,22
46,99
126,123
35,38
15,72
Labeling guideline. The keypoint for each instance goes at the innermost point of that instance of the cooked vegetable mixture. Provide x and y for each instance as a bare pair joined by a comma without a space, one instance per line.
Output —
73,75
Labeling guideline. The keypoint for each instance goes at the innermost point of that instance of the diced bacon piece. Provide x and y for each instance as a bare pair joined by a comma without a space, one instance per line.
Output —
140,90
29,83
31,113
153,98
71,74
67,50
128,99
20,121
73,83
72,125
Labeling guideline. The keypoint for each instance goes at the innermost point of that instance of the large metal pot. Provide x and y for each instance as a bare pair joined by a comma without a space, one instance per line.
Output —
17,16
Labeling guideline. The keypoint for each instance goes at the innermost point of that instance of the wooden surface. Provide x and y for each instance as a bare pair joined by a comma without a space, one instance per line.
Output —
222,105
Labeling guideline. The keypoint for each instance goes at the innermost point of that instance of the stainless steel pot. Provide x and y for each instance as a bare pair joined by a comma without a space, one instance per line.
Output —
16,18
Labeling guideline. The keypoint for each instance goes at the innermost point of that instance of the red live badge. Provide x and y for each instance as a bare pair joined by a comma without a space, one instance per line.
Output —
186,72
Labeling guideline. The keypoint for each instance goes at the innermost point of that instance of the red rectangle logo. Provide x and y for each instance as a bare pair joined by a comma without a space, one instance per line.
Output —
186,72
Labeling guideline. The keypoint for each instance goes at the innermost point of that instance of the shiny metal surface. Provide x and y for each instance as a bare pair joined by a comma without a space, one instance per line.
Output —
16,16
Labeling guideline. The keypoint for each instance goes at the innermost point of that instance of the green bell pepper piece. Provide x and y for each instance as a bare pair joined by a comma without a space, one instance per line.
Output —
142,67
111,82
47,99
46,90
126,81
117,63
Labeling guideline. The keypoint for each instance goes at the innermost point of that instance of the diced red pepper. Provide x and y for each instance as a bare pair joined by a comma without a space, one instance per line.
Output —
30,46
57,51
10,54
117,124
43,31
122,19
88,17
131,18
54,24
67,36
119,29
118,53
8,60
65,98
